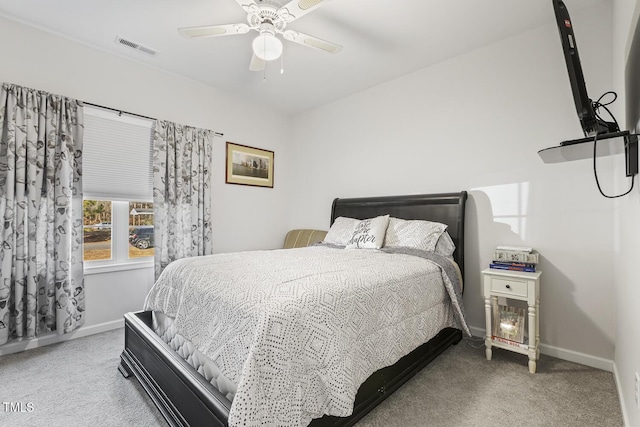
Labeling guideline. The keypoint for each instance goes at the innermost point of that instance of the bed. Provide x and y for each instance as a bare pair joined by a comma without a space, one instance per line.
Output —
185,397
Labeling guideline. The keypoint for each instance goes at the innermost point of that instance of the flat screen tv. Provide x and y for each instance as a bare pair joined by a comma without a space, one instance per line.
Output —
587,111
632,83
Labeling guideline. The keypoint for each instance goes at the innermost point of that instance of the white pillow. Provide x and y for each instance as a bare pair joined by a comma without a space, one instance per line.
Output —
415,234
369,233
445,245
341,231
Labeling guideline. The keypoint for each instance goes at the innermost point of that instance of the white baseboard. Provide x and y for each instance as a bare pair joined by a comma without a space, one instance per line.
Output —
623,407
564,354
53,338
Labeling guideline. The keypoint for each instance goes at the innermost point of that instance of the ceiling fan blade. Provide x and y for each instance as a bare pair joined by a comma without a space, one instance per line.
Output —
310,41
214,30
257,64
246,4
297,8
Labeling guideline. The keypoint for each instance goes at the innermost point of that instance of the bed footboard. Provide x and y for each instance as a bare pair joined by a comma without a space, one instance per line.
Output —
182,395
185,398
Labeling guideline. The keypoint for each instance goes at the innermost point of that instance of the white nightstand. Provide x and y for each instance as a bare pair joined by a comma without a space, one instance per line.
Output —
520,286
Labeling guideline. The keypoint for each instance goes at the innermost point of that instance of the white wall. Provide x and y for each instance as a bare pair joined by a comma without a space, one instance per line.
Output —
38,60
476,123
627,246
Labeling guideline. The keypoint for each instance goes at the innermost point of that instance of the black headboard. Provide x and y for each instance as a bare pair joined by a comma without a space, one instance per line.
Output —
447,208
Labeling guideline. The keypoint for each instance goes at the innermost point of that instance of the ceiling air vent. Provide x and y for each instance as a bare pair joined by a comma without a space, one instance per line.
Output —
136,46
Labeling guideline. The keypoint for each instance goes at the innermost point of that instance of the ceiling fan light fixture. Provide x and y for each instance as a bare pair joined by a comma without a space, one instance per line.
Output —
267,46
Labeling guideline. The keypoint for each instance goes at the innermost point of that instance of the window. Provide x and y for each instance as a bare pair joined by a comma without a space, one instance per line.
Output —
117,186
97,230
141,238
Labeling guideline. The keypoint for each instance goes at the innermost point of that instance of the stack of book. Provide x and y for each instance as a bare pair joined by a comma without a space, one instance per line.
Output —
515,258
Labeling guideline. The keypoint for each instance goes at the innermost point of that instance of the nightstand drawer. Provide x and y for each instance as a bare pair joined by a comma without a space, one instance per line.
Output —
509,286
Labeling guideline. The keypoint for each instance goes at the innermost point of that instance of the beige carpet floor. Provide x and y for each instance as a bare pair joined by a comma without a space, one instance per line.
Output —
76,383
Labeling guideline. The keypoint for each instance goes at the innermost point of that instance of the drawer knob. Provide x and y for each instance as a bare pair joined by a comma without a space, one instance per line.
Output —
508,286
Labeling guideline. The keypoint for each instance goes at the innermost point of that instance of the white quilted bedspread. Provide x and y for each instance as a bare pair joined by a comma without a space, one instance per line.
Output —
298,330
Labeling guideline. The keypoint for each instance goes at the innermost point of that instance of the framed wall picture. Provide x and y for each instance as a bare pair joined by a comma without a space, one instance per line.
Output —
249,166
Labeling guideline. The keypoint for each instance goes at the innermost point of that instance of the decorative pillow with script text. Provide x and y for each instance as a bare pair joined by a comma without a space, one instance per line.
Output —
369,233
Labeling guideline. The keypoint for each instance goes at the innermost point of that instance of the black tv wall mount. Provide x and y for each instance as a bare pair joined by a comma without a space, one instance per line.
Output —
607,145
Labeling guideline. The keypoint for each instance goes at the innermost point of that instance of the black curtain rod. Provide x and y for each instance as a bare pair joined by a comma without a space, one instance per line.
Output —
132,114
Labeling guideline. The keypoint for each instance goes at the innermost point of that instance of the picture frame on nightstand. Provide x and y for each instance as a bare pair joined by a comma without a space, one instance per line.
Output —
509,323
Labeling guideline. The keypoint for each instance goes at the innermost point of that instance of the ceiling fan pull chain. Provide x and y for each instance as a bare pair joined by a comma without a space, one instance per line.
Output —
264,71
282,62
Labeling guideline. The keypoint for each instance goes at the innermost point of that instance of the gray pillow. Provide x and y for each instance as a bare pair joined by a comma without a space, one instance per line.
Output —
341,231
415,234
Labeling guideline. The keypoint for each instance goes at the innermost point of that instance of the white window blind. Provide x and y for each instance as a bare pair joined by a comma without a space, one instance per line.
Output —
117,156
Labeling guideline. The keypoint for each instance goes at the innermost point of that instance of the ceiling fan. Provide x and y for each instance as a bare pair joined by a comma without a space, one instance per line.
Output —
268,19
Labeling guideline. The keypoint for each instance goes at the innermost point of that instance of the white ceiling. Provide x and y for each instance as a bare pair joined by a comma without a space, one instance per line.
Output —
381,39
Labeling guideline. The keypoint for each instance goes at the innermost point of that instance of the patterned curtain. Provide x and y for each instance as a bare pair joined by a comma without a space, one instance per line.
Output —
41,268
181,192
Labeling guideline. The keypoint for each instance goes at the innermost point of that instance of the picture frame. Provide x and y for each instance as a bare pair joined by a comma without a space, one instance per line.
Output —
249,166
509,323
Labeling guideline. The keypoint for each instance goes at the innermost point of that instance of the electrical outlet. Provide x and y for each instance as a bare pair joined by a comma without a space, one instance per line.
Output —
637,383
